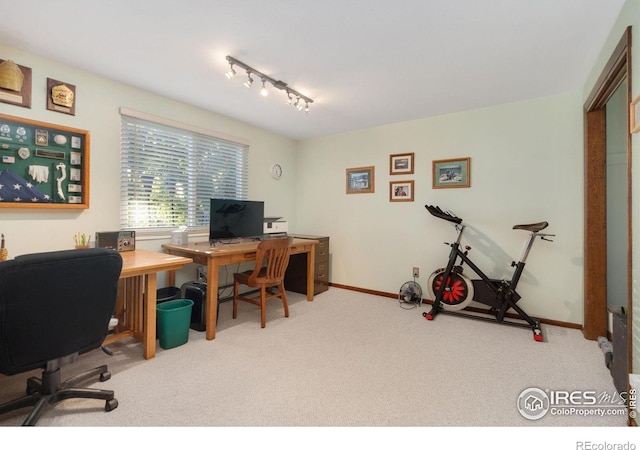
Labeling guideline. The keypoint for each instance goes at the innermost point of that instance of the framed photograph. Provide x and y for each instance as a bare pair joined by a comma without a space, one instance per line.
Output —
401,191
361,180
634,115
61,97
452,173
15,84
401,164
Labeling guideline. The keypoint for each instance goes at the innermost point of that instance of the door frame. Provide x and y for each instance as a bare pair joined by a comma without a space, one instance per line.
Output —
617,70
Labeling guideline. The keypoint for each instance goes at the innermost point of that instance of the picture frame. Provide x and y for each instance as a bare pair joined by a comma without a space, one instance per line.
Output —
401,164
61,97
44,165
361,180
634,115
15,84
451,173
401,191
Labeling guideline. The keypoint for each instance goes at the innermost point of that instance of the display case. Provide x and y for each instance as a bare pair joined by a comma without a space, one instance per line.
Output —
43,165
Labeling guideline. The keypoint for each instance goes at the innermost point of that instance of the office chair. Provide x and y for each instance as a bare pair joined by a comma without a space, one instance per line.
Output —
55,306
270,275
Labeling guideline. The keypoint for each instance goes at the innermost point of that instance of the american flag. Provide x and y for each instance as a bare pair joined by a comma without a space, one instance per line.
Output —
14,188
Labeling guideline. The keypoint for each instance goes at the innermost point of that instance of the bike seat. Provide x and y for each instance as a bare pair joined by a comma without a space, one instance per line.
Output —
534,227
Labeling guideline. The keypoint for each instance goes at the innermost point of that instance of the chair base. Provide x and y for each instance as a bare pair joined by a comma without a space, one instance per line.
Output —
260,300
49,390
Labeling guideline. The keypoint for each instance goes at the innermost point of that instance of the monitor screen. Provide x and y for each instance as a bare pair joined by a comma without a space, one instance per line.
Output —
235,219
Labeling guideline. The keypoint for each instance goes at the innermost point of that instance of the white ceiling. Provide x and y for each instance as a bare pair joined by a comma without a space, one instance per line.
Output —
363,62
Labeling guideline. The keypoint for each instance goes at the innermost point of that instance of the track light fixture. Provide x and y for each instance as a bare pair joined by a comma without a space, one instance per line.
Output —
264,91
294,98
231,72
249,81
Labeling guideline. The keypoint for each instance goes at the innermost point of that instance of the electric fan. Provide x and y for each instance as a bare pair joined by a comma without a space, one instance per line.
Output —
410,292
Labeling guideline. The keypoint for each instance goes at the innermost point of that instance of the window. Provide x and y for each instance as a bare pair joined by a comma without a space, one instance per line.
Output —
168,174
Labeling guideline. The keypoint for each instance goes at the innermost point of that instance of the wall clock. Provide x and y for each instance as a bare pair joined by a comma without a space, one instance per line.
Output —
276,171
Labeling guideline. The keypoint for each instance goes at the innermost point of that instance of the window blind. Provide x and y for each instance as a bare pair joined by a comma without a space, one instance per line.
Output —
168,174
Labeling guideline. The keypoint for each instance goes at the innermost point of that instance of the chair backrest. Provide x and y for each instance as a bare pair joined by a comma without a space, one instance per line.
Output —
55,304
272,259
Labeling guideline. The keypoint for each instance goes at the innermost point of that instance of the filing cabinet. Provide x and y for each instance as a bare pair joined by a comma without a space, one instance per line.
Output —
295,278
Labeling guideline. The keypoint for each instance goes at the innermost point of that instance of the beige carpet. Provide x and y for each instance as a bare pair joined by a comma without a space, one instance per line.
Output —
345,359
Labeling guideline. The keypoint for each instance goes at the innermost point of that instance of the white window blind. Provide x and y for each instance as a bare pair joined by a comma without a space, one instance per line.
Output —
168,174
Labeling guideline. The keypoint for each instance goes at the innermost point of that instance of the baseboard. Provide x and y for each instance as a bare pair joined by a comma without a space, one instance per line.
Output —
557,323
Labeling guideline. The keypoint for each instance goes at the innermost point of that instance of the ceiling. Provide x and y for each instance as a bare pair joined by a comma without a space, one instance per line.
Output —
364,62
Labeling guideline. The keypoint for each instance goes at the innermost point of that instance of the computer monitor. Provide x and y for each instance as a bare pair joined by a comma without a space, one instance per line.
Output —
229,219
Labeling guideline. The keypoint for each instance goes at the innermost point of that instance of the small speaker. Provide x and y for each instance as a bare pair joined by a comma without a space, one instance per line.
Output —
117,240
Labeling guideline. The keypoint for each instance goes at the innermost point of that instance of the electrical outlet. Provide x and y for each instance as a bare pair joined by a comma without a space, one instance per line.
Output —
416,272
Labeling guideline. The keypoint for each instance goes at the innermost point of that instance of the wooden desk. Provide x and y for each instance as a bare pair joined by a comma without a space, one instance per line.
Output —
223,254
136,307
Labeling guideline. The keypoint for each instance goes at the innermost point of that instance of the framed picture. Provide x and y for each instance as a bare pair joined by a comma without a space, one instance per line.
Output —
361,180
452,173
401,164
401,191
634,115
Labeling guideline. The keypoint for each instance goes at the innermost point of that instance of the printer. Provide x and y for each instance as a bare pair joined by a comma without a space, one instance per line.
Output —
275,225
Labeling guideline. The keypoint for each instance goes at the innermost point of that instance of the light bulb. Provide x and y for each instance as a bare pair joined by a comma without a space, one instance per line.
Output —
264,91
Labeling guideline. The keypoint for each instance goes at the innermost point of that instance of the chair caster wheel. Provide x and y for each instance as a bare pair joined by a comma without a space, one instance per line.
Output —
105,376
110,405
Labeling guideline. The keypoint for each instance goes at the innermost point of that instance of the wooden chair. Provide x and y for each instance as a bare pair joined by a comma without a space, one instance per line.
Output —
268,277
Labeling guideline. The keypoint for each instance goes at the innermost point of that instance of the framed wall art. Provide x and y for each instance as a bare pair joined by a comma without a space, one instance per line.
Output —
61,97
401,164
361,180
401,191
43,165
452,173
15,84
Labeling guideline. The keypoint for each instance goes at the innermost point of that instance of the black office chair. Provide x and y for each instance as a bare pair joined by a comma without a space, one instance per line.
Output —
55,306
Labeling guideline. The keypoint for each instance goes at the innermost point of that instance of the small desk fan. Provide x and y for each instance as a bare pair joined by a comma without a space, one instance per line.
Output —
410,292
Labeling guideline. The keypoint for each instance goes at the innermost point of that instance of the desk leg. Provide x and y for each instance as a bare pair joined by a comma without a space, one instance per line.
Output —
311,272
211,305
149,328
171,278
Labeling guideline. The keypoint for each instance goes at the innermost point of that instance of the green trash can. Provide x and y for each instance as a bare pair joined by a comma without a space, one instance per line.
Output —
173,320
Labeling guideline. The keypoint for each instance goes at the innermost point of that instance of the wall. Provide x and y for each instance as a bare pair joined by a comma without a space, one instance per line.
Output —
526,166
97,110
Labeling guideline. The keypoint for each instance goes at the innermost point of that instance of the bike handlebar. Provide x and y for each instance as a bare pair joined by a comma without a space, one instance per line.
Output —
445,215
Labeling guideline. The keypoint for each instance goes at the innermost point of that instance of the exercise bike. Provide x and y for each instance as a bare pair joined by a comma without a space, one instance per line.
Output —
453,291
